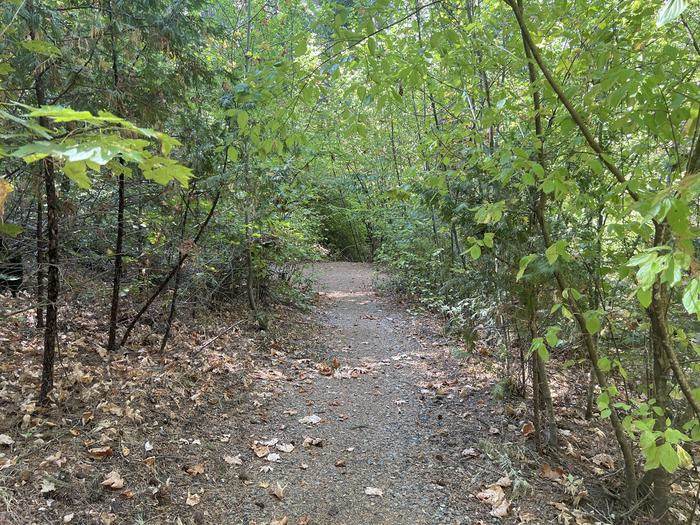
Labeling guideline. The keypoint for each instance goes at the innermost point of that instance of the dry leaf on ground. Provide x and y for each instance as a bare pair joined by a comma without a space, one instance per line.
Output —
285,447
196,470
493,495
193,499
313,419
373,491
259,450
113,481
234,460
603,460
100,452
279,491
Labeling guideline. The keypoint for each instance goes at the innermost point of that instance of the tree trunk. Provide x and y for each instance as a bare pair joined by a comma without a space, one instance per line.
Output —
121,203
40,259
52,212
118,264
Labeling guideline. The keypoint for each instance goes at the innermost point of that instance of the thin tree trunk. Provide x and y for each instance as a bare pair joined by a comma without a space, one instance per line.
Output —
118,264
40,259
52,212
121,203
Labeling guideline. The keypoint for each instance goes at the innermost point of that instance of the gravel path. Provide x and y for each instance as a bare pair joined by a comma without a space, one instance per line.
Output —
385,427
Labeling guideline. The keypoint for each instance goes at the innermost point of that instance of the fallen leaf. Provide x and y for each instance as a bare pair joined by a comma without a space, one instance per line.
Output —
150,461
196,470
325,370
113,481
553,473
340,463
493,495
527,429
273,457
107,518
494,430
259,450
313,419
279,491
193,499
234,460
68,518
285,447
266,468
270,442
504,482
6,440
147,446
603,460
47,486
283,521
100,452
304,520
315,442
469,453
373,491
527,517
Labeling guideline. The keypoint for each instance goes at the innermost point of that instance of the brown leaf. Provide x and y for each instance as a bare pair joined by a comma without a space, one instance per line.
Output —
100,452
553,473
304,520
603,460
315,442
340,463
193,499
279,491
113,481
527,429
107,518
282,521
234,460
259,450
325,370
196,469
493,495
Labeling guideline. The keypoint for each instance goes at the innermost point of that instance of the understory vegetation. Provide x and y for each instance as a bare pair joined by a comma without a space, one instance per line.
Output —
530,170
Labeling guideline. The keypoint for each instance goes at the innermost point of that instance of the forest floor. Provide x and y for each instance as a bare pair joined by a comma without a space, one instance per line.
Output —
359,412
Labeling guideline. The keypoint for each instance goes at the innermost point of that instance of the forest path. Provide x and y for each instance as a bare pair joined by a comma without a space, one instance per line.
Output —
386,421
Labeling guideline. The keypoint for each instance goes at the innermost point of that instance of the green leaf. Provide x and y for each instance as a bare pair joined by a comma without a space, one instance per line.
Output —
41,47
691,296
644,296
668,458
242,120
475,251
524,262
592,318
76,171
11,230
671,10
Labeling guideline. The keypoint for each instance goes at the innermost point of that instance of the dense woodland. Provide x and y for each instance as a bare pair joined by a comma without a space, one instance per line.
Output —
529,170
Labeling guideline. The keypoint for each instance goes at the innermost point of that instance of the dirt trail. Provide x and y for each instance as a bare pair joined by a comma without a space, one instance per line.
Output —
380,422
